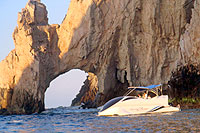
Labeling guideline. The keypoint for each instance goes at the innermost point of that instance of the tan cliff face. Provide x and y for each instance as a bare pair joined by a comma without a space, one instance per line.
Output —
189,41
124,43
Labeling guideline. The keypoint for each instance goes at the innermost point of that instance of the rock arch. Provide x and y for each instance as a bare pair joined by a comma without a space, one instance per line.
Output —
122,42
64,88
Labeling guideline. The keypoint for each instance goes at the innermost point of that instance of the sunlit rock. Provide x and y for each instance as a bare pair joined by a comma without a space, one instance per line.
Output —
88,91
122,42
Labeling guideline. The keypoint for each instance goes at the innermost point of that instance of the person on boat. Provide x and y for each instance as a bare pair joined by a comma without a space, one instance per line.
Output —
145,95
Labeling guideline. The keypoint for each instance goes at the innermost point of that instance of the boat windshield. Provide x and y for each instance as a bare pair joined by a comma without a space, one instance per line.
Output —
111,102
152,88
129,98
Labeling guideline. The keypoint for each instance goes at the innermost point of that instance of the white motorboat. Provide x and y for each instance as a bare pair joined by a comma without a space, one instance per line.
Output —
128,105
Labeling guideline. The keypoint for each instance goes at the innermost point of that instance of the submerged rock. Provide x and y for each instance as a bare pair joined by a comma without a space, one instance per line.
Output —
88,105
123,43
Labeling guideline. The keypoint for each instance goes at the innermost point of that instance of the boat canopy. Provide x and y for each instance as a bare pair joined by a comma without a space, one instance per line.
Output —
141,88
151,88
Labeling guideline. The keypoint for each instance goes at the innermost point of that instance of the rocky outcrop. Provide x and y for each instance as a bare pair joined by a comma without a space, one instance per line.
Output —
28,69
88,91
189,41
124,43
185,82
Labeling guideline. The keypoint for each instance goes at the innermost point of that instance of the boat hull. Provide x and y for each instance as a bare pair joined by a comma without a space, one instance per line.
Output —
157,104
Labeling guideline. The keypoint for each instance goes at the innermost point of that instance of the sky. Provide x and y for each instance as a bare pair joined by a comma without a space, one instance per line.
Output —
64,88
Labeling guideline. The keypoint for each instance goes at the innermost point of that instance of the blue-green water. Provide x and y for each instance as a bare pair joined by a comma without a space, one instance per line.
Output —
71,119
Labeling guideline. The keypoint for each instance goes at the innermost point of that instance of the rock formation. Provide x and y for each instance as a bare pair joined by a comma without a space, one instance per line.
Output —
189,40
88,91
122,42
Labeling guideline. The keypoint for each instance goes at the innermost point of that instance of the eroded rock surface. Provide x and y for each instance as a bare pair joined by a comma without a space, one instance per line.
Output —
190,40
28,69
88,91
122,42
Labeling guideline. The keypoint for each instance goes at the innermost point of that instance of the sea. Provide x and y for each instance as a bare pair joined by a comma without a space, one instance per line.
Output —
73,119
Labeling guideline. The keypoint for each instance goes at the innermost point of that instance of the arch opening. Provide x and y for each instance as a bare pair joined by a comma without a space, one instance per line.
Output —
64,88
